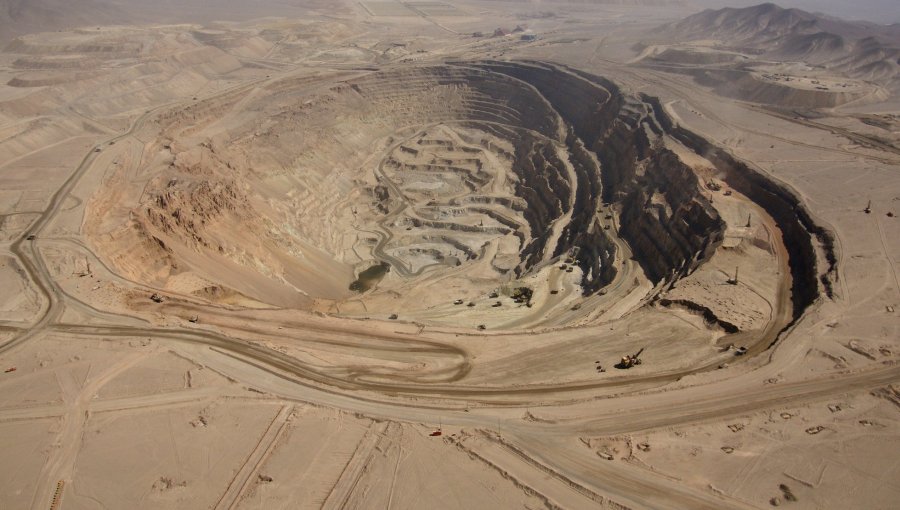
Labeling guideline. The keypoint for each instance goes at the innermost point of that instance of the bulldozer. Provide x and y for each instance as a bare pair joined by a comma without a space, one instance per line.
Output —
630,360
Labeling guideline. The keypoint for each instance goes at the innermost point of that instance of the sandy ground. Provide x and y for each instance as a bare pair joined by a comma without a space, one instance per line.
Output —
260,380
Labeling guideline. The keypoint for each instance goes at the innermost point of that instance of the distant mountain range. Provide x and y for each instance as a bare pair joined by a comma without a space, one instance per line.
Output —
858,49
19,17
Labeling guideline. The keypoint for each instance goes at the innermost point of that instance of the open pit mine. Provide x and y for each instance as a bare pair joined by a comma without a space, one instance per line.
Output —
377,257
500,195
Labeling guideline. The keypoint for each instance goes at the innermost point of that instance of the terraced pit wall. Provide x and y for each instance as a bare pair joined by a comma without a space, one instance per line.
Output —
792,217
671,227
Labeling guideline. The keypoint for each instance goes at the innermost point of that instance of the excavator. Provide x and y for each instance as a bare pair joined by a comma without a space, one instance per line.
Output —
630,360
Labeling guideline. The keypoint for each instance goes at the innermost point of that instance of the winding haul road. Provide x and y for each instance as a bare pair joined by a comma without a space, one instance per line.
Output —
546,444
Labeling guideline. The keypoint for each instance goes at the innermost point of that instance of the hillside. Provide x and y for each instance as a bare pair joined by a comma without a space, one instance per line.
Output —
857,49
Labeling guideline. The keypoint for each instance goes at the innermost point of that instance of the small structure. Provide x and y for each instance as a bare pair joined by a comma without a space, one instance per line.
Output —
393,316
529,37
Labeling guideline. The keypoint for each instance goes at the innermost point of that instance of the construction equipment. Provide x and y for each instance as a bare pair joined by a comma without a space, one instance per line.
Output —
631,360
734,281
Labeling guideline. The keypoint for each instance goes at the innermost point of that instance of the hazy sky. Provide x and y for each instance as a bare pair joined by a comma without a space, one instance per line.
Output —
880,11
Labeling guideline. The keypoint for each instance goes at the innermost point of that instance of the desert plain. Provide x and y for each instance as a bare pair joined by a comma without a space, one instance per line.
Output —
450,254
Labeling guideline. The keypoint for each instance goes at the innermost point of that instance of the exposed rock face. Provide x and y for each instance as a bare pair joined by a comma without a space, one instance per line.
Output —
670,226
667,221
184,212
544,187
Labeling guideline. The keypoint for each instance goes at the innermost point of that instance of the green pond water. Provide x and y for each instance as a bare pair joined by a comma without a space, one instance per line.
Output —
370,277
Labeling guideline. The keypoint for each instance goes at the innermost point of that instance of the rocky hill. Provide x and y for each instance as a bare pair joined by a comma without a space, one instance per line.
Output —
857,49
